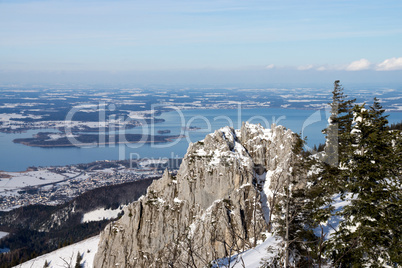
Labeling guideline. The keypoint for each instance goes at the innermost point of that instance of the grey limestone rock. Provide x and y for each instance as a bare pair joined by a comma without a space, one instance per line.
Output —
219,203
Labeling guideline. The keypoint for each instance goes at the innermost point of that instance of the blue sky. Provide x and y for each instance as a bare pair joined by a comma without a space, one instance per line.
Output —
232,37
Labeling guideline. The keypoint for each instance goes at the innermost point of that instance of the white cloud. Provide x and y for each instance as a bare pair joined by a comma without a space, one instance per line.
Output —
390,64
358,65
305,67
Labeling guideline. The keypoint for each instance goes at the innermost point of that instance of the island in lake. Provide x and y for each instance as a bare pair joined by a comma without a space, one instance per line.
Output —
51,139
164,131
191,128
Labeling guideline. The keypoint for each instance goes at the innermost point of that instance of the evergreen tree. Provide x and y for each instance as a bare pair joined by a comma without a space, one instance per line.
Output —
304,205
371,230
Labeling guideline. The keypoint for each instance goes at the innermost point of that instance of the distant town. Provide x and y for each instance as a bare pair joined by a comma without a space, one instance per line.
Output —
57,185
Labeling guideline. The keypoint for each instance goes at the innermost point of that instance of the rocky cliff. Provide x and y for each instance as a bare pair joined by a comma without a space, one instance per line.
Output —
219,203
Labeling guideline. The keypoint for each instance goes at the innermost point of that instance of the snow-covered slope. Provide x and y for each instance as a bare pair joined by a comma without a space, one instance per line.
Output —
67,255
254,257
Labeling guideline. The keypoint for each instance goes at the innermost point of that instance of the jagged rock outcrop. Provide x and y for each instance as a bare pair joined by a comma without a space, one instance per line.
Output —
219,203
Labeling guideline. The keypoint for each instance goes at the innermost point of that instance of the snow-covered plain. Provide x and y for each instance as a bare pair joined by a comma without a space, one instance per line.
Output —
14,181
8,117
30,178
59,258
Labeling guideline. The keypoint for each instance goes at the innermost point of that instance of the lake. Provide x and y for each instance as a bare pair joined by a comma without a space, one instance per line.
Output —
17,157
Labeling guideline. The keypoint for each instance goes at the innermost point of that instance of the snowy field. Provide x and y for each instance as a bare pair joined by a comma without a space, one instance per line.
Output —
31,178
100,214
18,180
67,255
3,234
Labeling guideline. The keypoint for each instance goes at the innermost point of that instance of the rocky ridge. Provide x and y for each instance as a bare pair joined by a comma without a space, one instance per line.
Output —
219,203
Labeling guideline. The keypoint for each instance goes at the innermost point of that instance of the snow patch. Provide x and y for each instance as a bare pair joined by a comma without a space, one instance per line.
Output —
177,200
201,152
253,258
101,214
332,225
3,234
